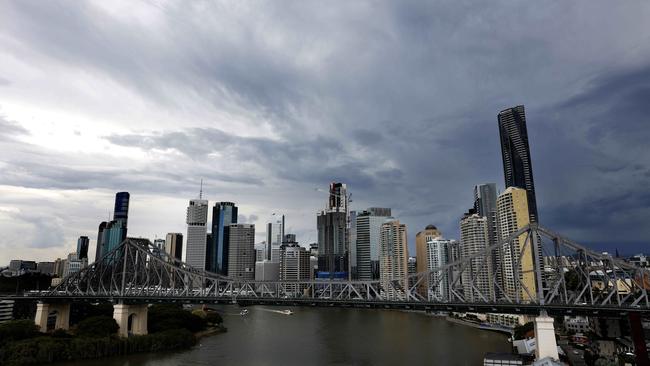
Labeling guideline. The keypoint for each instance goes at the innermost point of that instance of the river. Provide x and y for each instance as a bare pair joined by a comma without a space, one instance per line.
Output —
328,336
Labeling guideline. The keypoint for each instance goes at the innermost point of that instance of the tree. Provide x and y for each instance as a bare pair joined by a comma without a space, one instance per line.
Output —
167,317
521,330
17,330
97,326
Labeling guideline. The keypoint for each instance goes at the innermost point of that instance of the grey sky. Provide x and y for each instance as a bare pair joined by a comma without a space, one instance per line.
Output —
267,101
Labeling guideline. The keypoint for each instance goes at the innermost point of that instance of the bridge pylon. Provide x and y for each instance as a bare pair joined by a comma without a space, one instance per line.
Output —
132,319
545,337
60,310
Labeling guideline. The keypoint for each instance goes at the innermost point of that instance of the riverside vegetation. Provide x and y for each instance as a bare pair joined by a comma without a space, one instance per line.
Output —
170,328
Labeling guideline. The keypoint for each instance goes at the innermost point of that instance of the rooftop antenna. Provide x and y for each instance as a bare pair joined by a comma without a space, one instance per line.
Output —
201,190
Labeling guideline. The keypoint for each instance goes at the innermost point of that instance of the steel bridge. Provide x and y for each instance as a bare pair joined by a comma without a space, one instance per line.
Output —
533,271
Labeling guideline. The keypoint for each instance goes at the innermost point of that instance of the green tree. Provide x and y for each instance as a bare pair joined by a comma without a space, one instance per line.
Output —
167,317
521,330
97,326
17,330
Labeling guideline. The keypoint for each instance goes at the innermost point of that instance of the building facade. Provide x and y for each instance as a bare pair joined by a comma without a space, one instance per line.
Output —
223,215
517,257
333,241
422,255
82,247
368,232
474,239
393,258
111,234
174,245
241,254
196,220
515,152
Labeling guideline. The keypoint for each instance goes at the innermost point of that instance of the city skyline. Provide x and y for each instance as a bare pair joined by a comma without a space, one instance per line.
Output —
421,132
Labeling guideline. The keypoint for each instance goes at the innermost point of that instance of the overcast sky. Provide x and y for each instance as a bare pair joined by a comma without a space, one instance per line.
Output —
265,101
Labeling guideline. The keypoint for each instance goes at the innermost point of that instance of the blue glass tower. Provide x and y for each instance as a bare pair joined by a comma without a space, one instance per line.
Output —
223,214
113,233
82,247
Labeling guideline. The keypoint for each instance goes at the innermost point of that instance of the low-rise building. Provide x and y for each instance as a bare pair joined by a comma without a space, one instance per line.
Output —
577,324
498,359
6,310
507,320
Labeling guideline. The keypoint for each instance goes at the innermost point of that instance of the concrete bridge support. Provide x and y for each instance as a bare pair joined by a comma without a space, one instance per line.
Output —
545,337
132,319
61,311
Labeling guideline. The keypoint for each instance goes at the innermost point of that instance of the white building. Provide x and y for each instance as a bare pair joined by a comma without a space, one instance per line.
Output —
367,234
195,246
474,239
267,271
437,254
6,310
74,264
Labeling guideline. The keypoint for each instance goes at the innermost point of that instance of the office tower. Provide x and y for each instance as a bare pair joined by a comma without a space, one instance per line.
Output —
111,234
209,260
352,235
82,247
45,267
368,231
260,252
274,237
485,204
74,264
241,254
294,263
393,258
196,219
333,244
223,214
100,250
512,214
517,166
59,265
477,276
174,245
265,270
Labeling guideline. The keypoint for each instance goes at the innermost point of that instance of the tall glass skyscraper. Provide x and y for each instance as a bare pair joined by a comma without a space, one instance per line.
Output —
517,167
333,241
223,214
112,234
82,247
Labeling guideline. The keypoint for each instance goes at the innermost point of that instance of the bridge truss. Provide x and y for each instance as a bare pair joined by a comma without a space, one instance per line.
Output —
534,268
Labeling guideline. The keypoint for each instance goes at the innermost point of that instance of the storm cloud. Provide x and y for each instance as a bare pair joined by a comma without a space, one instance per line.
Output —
265,102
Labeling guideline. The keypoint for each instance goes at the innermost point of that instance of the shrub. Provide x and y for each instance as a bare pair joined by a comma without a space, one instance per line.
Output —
17,330
167,317
97,326
212,317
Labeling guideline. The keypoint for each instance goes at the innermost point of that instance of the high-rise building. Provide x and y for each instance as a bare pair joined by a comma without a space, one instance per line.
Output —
74,264
352,240
485,204
223,214
99,250
393,257
265,270
517,166
512,214
477,276
368,232
294,263
437,256
274,237
422,254
196,219
82,247
333,244
174,245
241,254
111,234
158,246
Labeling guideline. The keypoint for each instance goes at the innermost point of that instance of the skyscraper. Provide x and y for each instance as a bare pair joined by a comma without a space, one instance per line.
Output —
112,234
223,214
196,219
274,235
477,276
512,214
485,205
333,245
517,166
368,232
174,245
393,257
241,254
82,247
423,254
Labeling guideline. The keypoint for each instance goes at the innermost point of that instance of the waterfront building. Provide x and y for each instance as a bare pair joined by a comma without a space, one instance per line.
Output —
436,255
333,241
577,324
294,263
241,254
368,229
45,267
422,254
111,234
174,245
223,215
512,215
82,247
20,266
515,152
196,219
393,257
499,359
266,270
274,237
74,264
474,239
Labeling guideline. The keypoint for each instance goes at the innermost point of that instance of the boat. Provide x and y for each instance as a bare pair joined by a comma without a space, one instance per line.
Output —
243,312
287,312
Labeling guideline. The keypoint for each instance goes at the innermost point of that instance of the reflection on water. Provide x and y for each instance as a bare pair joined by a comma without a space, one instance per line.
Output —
328,336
